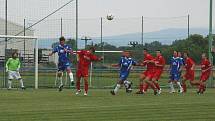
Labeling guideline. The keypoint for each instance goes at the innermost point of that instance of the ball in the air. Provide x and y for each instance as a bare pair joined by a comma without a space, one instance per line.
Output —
110,17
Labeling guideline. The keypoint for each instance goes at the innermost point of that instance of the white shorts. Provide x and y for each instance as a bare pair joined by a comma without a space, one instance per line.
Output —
14,75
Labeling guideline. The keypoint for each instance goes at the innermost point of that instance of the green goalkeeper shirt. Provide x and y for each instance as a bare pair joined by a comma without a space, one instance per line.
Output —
13,64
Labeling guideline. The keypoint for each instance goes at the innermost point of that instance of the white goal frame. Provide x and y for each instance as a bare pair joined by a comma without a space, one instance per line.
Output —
36,52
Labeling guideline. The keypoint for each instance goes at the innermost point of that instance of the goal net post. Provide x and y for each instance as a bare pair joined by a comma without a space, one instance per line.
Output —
27,49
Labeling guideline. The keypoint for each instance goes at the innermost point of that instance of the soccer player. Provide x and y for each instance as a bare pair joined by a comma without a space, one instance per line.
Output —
159,66
205,74
12,67
146,77
125,64
175,66
190,73
64,61
84,60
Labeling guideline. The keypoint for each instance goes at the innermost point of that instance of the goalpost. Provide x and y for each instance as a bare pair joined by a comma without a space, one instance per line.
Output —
15,43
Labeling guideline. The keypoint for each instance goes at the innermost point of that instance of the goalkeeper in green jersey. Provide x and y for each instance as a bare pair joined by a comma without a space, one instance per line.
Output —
12,67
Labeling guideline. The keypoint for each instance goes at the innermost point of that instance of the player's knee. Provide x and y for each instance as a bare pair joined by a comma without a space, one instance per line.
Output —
60,74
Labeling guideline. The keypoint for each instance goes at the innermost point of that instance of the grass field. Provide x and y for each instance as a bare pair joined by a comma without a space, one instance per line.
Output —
99,105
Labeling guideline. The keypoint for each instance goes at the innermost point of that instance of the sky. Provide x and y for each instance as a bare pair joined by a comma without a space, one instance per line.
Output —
127,15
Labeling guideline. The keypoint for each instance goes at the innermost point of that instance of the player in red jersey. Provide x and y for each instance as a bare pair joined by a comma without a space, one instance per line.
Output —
190,73
146,77
159,66
84,60
205,74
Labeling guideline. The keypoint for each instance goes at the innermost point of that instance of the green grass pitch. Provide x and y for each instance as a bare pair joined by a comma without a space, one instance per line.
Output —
99,105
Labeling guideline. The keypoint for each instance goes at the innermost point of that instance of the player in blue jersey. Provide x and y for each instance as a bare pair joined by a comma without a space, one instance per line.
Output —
64,61
175,69
182,63
126,63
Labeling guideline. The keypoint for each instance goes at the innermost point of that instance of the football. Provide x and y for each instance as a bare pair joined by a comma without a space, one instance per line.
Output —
110,17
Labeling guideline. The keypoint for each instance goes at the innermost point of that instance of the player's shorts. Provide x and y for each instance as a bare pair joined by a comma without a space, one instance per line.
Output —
123,76
189,75
82,73
175,77
205,76
14,75
157,74
63,66
149,74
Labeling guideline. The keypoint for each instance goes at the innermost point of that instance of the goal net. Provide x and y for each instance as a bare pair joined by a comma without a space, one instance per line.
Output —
27,49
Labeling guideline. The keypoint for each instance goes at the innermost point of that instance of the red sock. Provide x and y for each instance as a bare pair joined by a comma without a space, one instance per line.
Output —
78,85
157,85
145,87
152,86
141,87
184,86
201,88
86,86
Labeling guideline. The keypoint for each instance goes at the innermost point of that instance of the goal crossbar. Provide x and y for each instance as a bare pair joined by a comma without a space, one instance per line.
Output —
18,37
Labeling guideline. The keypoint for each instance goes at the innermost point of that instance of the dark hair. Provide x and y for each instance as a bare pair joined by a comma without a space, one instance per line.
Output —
186,52
93,49
145,49
62,38
14,54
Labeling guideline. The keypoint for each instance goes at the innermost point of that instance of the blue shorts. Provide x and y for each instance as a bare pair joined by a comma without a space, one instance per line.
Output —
123,76
63,66
175,77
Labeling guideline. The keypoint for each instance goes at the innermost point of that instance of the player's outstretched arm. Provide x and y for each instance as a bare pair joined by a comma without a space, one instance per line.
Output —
115,65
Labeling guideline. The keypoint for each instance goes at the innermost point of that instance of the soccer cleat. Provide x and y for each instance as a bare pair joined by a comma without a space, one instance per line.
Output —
172,91
159,91
60,88
9,88
72,83
23,88
140,92
155,92
128,90
85,93
77,92
112,92
180,91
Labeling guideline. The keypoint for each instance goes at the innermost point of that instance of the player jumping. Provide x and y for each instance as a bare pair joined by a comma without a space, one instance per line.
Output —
12,67
190,73
175,70
84,60
125,64
64,62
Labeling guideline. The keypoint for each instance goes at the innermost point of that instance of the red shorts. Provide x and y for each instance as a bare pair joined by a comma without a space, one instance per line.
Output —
82,73
157,74
189,75
205,76
149,74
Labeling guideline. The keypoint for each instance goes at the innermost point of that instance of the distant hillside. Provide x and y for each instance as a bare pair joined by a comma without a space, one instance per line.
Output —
166,36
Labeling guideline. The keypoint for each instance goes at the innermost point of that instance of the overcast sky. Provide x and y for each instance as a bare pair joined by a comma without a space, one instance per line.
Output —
35,9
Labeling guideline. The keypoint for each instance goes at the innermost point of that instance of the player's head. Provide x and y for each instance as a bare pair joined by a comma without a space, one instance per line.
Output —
186,55
204,56
175,54
14,55
92,49
62,40
126,53
145,51
158,52
179,54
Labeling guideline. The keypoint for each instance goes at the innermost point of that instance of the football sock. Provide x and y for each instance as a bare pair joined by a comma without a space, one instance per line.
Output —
157,85
179,85
171,86
9,84
116,88
71,76
184,87
86,86
141,87
21,82
78,85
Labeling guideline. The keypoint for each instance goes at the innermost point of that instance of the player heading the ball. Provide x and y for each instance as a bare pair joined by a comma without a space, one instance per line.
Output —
64,60
84,58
